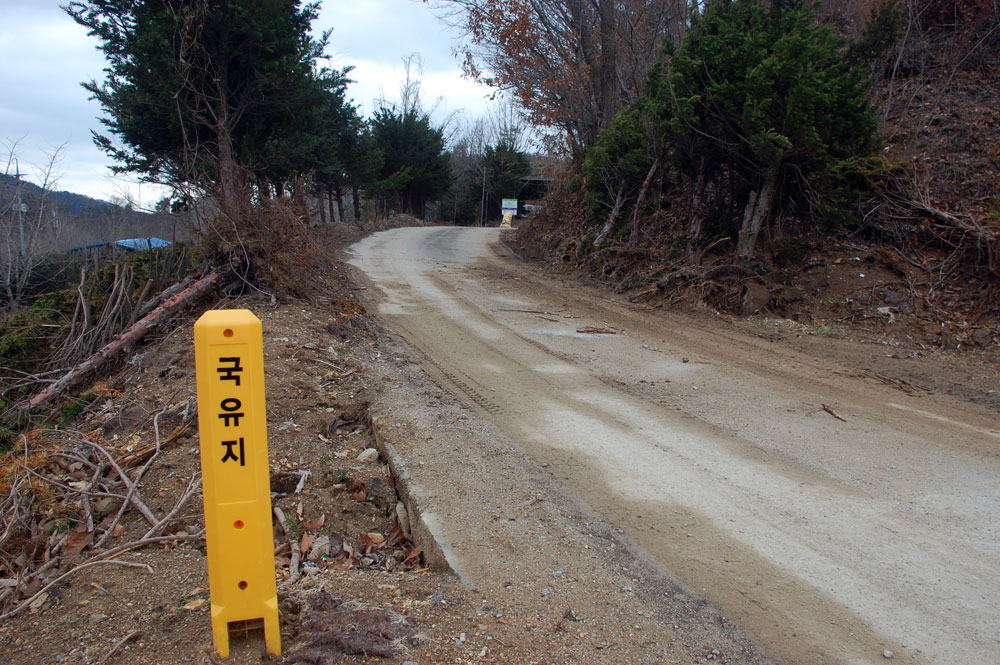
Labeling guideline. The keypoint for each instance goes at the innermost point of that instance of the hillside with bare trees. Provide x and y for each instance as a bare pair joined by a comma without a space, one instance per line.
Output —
739,153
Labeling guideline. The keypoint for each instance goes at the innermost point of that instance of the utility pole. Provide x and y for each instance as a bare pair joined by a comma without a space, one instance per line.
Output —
482,199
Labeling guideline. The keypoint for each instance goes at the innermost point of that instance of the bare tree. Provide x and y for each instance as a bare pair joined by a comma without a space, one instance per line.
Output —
505,123
469,165
27,221
571,64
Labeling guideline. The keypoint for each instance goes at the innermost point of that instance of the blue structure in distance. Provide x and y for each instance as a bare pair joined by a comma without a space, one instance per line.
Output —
130,244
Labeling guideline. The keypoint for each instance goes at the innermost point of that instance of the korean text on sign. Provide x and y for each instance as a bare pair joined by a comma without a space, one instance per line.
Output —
233,428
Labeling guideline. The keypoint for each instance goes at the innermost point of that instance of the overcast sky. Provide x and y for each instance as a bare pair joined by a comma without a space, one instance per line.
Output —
44,55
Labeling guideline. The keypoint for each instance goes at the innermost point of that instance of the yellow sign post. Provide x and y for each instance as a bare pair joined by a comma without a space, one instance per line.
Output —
229,360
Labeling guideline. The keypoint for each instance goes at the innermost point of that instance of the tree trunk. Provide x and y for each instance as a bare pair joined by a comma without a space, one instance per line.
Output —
228,173
608,62
757,210
610,224
748,213
228,176
641,203
328,201
338,193
589,121
322,208
698,220
356,196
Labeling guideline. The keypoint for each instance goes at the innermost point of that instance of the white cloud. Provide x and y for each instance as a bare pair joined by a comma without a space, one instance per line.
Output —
384,31
443,92
376,36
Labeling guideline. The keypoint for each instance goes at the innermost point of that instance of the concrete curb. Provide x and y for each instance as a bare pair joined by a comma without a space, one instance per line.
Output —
426,528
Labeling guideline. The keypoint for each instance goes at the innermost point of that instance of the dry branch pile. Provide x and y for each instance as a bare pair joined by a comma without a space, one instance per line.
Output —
169,305
68,491
954,252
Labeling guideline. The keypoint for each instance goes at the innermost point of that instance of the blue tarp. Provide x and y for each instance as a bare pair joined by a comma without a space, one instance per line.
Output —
138,244
130,244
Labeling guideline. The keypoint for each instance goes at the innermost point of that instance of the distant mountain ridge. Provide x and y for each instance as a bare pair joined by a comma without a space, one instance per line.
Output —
73,220
70,204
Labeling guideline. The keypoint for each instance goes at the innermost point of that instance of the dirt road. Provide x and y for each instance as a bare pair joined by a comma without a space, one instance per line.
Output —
709,451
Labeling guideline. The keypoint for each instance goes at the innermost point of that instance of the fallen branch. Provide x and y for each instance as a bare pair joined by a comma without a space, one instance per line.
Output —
711,246
279,514
303,474
612,217
140,454
940,215
293,566
27,601
833,413
116,647
985,239
112,349
133,488
136,544
648,291
168,292
13,511
85,498
192,488
529,311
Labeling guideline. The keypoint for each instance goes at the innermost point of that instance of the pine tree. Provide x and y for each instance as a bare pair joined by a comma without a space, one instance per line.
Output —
414,166
204,92
505,166
759,103
763,92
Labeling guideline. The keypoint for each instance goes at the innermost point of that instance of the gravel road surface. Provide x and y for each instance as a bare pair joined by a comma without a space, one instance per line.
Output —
829,535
